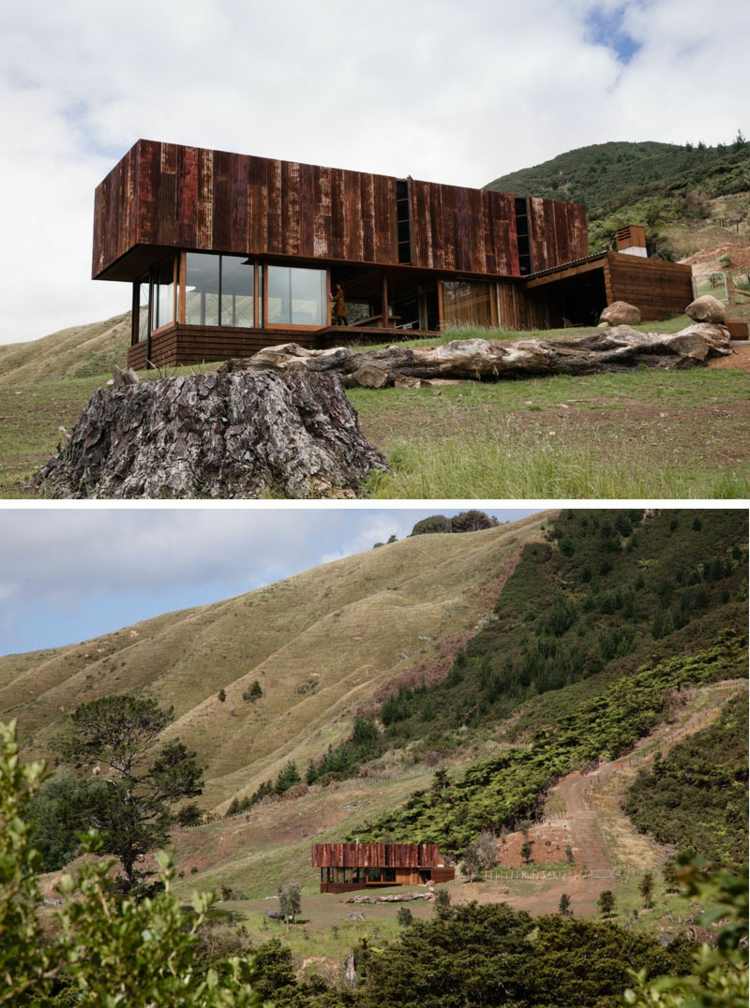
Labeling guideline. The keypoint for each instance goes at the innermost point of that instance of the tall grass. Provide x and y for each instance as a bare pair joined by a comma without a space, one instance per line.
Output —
486,468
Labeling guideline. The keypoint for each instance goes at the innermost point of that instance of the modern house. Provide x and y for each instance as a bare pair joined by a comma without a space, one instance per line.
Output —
228,253
348,866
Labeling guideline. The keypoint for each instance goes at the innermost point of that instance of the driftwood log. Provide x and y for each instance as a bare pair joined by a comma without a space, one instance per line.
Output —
246,434
612,349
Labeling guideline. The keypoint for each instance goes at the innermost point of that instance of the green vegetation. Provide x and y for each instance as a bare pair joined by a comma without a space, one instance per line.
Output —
718,978
696,797
503,792
652,184
287,777
132,805
101,948
603,588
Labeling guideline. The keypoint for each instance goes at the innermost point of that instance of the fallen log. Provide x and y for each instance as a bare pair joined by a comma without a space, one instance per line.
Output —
615,348
248,434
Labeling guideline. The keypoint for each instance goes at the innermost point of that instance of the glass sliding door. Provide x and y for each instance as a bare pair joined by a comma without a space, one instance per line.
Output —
297,296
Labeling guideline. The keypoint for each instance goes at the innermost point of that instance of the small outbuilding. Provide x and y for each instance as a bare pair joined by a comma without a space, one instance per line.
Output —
348,866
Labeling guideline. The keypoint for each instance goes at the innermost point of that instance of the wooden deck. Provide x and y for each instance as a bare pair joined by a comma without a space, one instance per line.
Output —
185,344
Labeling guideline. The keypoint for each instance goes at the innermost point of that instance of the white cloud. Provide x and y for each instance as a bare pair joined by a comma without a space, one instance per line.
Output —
442,90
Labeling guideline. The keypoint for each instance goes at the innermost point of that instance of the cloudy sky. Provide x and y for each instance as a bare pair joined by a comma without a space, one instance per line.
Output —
443,90
70,574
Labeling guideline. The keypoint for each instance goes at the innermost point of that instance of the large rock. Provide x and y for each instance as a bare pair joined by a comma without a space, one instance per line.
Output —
707,309
621,313
241,434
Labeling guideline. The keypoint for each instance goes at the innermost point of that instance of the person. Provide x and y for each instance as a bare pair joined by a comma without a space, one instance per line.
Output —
338,309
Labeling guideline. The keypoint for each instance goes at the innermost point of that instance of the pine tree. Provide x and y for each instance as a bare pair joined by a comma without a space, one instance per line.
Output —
606,904
647,890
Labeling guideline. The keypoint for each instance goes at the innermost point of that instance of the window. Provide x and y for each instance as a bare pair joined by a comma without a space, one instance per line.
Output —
142,310
237,296
202,289
162,296
219,290
403,221
296,296
467,303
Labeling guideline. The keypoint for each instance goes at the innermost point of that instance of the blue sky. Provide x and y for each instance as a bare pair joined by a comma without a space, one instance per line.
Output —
443,90
71,574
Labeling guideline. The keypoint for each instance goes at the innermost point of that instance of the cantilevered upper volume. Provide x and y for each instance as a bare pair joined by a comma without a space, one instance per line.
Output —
228,253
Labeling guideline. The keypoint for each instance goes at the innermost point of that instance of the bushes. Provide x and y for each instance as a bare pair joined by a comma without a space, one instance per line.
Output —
696,797
510,788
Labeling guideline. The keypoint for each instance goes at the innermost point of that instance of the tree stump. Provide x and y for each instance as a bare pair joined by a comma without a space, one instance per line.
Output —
244,434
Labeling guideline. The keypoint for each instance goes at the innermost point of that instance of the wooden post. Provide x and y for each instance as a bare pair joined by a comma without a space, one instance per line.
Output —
135,314
440,306
385,320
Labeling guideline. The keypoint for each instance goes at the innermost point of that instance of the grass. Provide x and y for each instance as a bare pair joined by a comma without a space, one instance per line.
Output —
640,433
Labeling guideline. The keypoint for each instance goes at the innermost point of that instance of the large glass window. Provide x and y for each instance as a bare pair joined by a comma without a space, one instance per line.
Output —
296,296
162,296
237,298
467,303
219,290
142,320
202,289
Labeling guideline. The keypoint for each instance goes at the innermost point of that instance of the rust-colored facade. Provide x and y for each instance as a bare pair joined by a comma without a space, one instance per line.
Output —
228,253
345,867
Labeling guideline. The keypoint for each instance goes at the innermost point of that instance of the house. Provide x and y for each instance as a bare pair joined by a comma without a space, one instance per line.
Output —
348,866
228,253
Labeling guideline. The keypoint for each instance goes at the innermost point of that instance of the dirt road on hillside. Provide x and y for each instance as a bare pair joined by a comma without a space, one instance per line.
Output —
607,848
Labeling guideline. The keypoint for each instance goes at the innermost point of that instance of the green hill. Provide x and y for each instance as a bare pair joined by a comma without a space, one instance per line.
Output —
654,184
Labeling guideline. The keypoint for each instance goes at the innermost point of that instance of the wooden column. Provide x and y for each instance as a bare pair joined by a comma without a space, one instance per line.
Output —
385,311
440,306
181,287
135,313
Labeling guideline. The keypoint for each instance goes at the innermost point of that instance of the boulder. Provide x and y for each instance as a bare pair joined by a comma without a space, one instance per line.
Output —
291,433
707,308
620,313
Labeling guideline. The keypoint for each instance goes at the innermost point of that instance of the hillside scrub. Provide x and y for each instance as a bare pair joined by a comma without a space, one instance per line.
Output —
507,790
696,797
602,591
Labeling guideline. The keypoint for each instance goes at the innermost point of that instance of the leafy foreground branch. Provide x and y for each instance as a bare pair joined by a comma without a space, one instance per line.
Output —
102,949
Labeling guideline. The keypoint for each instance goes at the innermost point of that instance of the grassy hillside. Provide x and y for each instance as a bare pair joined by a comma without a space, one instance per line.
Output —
77,352
659,185
321,644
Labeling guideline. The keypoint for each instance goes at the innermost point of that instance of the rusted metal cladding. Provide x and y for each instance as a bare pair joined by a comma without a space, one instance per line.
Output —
172,196
558,232
376,855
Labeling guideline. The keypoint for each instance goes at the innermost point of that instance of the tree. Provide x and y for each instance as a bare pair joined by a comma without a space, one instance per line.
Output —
404,916
606,904
647,890
527,848
442,900
290,901
288,777
564,906
138,785
254,693
480,855
222,694
103,948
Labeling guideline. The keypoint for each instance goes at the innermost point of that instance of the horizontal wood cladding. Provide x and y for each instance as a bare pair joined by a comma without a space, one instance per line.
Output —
376,855
137,356
168,196
660,289
558,232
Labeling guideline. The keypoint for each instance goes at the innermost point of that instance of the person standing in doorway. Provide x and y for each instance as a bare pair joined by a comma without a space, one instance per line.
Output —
338,307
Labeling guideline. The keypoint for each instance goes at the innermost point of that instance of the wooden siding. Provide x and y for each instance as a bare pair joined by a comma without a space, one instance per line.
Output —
660,289
376,855
168,196
558,232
